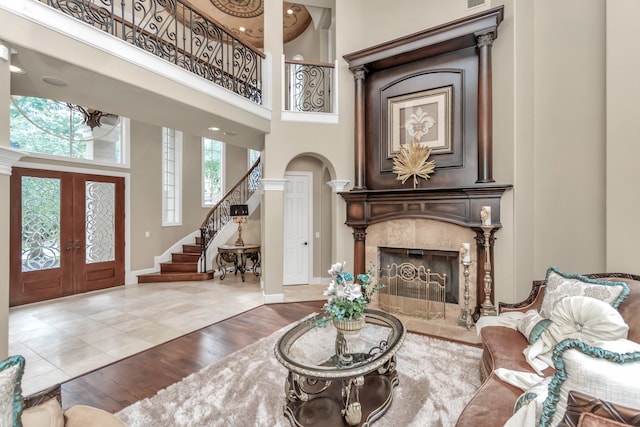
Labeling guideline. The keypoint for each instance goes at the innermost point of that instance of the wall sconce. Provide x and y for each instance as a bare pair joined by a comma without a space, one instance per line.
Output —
240,214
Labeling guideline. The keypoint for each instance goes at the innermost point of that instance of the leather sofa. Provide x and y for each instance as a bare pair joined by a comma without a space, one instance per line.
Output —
493,403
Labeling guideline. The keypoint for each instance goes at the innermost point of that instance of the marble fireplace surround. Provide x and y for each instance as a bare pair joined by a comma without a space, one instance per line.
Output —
427,234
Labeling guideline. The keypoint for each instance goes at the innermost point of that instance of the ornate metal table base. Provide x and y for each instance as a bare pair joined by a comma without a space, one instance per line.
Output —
323,403
238,256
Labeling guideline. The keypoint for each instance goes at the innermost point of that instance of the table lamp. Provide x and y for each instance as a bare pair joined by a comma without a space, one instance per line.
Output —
239,213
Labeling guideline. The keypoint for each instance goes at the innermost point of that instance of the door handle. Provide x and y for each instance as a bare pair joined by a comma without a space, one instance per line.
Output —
78,248
69,242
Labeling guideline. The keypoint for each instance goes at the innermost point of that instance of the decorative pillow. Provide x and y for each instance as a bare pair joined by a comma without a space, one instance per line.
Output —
532,325
11,403
608,371
47,414
559,285
579,404
587,319
589,420
83,416
538,393
584,318
528,407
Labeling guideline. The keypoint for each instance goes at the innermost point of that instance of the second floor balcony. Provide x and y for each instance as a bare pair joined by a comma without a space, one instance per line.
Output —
184,35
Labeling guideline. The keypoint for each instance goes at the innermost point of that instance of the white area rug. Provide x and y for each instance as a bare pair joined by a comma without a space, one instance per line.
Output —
437,378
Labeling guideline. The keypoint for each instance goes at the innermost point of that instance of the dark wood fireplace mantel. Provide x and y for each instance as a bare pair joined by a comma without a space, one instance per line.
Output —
456,205
454,58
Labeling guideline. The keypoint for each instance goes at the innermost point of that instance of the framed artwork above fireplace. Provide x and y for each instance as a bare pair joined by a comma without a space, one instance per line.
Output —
423,117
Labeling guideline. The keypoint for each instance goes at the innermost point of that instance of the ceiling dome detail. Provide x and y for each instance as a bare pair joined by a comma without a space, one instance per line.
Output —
240,8
245,18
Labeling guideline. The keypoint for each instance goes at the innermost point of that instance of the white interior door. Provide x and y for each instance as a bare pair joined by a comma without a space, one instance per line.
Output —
297,227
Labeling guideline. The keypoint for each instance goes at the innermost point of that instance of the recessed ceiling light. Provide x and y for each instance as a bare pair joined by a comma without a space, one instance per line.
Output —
243,29
290,11
54,81
214,129
16,69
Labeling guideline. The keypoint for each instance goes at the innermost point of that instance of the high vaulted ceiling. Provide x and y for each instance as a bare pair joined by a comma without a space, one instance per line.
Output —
244,18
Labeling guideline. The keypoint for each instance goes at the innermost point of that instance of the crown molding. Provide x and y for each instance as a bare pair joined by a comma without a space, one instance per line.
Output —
8,158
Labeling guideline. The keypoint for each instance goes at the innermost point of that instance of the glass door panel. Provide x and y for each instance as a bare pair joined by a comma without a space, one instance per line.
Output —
100,221
40,223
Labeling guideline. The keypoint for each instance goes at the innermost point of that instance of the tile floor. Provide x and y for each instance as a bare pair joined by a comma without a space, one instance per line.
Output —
68,337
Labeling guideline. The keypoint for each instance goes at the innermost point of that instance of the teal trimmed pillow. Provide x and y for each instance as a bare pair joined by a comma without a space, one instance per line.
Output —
608,370
559,285
537,392
11,403
532,325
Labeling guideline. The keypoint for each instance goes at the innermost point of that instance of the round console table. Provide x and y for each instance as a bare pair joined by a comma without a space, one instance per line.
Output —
232,257
324,389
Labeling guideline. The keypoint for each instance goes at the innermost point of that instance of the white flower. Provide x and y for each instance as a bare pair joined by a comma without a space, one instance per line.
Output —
352,291
331,290
336,268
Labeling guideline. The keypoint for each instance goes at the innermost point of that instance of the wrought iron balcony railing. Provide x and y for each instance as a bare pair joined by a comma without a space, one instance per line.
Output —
308,86
219,215
178,33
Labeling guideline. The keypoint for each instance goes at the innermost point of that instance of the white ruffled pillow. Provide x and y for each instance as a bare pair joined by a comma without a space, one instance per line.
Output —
559,285
584,318
587,319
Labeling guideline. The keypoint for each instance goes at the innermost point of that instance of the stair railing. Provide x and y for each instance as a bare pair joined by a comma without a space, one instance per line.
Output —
180,33
219,215
308,86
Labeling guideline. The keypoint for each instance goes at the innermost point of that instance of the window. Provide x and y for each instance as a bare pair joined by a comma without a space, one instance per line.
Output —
253,155
54,128
212,171
171,177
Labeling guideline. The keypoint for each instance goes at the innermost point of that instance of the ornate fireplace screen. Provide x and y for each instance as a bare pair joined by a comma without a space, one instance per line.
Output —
412,290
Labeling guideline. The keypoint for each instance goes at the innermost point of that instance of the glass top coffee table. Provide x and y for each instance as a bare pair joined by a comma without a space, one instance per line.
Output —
336,379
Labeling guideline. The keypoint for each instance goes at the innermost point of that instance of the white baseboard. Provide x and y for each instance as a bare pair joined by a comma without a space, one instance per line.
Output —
273,298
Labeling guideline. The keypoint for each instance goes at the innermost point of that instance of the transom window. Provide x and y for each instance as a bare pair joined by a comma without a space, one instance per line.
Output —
53,128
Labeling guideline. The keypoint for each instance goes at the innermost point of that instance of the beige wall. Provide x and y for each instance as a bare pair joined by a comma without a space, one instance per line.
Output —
569,135
623,130
146,191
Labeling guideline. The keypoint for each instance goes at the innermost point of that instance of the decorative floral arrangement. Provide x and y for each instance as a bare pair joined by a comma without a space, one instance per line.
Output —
346,298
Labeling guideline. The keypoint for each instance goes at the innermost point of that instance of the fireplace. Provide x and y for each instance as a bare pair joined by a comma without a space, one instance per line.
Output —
385,210
408,239
442,264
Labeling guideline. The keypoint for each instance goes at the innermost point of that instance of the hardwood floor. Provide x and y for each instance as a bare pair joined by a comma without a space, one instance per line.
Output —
118,385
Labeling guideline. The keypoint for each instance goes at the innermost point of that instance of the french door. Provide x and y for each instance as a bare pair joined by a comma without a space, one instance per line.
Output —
67,234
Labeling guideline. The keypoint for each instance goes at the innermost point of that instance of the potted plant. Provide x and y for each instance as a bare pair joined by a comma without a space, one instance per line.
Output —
347,299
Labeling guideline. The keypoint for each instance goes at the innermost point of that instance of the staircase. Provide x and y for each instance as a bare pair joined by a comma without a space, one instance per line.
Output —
190,263
182,267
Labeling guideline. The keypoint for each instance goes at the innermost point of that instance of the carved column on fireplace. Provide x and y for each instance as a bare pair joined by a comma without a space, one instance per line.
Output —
359,246
485,107
481,270
359,154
